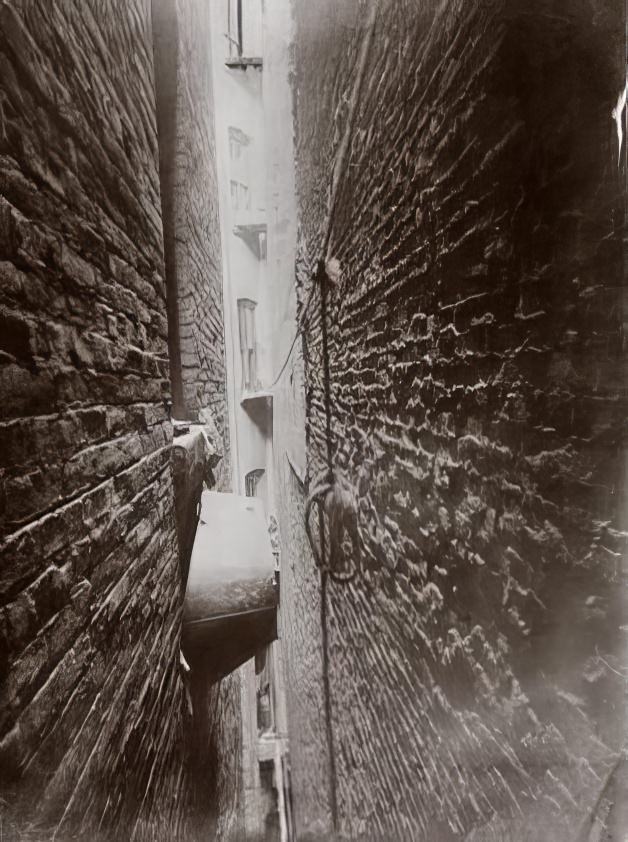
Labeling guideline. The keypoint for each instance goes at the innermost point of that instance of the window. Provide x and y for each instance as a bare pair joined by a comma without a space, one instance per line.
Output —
251,480
261,249
235,149
264,675
235,25
248,348
240,199
238,143
244,33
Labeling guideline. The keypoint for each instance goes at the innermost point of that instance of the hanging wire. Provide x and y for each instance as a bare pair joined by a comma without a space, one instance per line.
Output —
327,495
323,495
299,332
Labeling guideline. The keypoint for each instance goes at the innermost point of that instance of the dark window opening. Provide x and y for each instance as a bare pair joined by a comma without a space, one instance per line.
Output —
248,343
235,26
251,480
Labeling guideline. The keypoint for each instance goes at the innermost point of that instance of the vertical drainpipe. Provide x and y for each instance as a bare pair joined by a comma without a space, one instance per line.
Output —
166,56
230,315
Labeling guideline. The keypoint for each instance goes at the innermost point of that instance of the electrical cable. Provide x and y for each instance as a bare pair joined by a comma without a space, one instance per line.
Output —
299,330
324,493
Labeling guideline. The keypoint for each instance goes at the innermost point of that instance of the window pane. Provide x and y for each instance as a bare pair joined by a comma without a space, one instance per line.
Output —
248,351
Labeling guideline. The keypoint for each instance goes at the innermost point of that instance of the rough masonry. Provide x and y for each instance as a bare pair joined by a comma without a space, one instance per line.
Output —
190,206
94,716
457,171
189,200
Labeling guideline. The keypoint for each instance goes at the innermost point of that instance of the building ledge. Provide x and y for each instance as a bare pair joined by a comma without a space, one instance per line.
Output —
254,235
243,62
257,396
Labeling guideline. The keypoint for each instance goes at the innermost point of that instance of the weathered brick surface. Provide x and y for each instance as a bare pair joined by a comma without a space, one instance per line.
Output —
300,638
477,410
190,202
92,707
192,252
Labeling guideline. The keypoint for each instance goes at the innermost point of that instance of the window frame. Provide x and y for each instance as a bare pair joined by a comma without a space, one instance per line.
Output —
248,342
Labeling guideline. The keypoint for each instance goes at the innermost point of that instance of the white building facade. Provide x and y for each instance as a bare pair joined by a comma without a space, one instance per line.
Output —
253,128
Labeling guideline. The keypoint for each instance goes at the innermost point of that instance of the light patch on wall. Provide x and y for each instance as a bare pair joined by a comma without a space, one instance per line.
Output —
617,114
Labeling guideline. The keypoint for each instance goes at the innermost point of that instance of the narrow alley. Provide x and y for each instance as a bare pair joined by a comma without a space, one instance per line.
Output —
313,455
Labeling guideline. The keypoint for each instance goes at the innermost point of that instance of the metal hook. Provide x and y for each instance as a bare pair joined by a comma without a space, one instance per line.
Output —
318,496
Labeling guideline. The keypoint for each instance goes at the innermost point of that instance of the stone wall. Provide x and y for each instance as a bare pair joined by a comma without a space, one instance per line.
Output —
458,172
93,710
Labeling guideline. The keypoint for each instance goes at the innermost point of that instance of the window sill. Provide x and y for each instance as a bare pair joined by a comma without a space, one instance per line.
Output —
242,62
249,397
253,234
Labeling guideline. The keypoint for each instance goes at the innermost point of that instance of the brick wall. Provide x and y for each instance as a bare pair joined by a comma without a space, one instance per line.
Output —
299,630
477,377
92,707
193,271
190,204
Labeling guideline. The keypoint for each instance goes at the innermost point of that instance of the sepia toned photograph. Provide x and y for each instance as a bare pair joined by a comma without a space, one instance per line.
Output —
313,421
